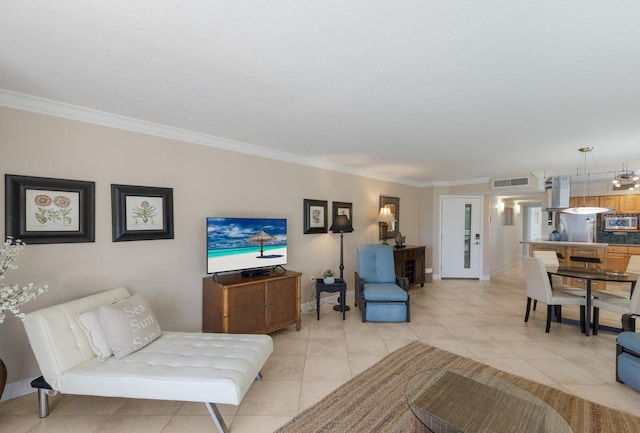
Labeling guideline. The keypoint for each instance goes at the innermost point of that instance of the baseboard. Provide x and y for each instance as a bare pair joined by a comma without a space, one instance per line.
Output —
17,389
507,268
311,305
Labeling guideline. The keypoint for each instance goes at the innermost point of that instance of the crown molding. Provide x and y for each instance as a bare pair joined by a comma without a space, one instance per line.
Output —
74,112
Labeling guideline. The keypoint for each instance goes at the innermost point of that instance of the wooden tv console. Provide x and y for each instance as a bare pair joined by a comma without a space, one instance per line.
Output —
241,305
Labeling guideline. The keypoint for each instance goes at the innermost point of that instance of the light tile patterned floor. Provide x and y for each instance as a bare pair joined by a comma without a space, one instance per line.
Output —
482,320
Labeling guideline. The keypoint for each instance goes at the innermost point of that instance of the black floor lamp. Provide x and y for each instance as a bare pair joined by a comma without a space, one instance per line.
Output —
341,225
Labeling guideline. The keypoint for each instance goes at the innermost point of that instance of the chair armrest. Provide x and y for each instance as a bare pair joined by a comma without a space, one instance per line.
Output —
403,282
359,282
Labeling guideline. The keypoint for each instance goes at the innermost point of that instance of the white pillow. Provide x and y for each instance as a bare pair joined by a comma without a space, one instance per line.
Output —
129,325
89,321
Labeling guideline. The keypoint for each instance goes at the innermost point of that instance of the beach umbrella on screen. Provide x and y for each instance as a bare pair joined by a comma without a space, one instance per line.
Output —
261,237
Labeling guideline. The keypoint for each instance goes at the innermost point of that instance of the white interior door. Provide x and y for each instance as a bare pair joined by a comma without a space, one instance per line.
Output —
532,226
460,237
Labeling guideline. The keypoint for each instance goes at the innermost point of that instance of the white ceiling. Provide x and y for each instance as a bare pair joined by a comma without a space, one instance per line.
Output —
412,91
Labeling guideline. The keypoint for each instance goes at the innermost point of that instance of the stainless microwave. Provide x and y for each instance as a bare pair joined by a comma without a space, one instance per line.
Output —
619,223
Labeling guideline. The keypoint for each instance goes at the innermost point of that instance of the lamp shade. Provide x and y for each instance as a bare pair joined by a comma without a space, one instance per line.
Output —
585,210
385,215
341,224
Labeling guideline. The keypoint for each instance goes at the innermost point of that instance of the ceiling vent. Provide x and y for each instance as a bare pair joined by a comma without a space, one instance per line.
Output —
523,183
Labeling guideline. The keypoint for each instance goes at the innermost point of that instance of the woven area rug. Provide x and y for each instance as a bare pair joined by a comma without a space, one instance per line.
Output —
374,400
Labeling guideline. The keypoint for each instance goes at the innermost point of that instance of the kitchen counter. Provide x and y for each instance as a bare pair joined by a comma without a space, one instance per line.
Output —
595,252
567,244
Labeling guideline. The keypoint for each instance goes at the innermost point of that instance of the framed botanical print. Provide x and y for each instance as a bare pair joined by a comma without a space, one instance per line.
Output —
43,210
342,208
141,213
315,216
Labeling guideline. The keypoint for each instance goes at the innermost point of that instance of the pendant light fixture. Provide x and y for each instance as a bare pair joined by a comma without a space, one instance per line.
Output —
626,179
584,209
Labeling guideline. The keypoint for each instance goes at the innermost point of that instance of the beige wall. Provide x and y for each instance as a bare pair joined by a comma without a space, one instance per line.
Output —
206,182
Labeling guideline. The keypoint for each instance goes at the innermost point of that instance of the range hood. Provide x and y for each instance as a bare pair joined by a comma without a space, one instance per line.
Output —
558,194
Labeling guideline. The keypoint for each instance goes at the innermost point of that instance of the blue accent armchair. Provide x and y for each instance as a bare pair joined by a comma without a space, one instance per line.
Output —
628,359
380,295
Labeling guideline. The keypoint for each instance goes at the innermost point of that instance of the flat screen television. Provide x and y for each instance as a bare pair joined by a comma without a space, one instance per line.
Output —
252,245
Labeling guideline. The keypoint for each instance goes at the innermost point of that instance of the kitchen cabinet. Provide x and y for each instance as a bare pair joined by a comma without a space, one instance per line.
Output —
629,203
561,251
593,253
590,201
610,201
617,258
634,251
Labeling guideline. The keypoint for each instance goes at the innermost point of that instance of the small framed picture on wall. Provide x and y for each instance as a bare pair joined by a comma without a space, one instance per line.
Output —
342,208
141,213
315,216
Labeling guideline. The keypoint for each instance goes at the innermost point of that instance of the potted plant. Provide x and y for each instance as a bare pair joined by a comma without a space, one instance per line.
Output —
328,277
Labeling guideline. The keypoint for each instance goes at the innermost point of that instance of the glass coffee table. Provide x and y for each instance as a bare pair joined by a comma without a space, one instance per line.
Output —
446,400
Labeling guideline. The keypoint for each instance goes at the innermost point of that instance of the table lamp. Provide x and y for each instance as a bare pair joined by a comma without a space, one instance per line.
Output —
385,217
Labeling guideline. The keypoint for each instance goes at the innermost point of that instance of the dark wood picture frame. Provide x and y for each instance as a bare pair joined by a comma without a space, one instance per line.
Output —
140,213
342,207
43,210
315,216
394,204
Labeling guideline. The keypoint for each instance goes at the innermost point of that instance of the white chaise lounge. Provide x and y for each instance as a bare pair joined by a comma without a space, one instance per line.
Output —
180,366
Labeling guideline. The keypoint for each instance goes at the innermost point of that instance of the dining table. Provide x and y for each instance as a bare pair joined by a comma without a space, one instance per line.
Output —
588,275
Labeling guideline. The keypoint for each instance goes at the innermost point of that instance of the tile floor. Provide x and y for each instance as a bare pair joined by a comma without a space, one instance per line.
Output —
482,320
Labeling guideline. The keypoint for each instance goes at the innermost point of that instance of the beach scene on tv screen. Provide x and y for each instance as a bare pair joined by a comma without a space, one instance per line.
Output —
245,243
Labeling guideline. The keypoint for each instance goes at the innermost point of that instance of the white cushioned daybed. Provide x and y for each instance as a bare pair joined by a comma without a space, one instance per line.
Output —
180,366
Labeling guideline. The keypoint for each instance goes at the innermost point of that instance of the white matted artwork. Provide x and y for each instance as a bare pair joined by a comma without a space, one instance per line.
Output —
345,211
50,210
317,216
144,213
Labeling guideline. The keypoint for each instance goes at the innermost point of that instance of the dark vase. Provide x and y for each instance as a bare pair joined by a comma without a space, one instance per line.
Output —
3,377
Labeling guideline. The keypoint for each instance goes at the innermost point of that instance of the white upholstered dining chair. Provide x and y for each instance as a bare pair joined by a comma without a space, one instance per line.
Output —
550,258
539,289
618,304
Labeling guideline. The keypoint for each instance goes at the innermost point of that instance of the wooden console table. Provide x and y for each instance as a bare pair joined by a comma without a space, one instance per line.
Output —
241,305
409,262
